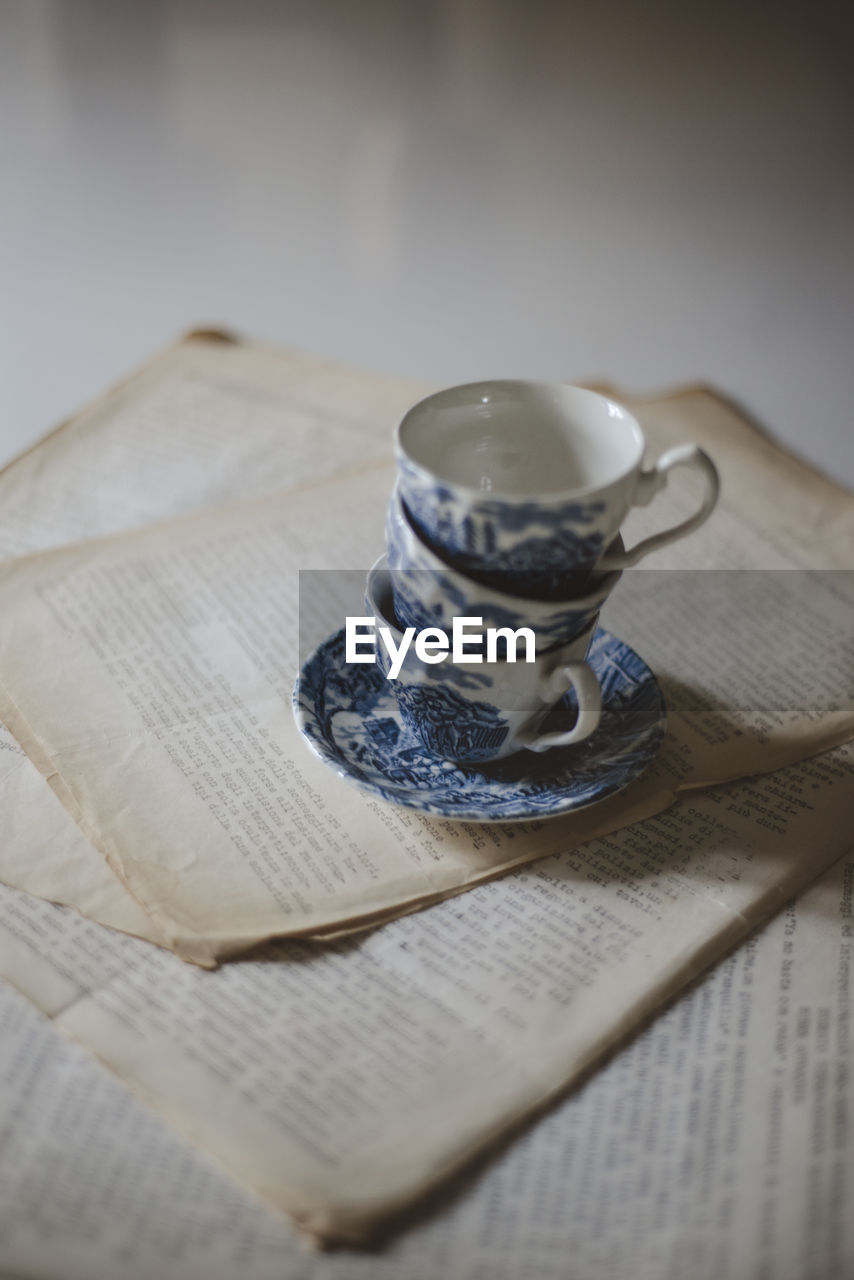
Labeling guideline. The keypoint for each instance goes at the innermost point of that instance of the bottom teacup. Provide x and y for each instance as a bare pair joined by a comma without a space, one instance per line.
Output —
472,712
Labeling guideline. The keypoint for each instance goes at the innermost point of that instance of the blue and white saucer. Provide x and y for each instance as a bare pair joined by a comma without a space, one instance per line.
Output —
349,717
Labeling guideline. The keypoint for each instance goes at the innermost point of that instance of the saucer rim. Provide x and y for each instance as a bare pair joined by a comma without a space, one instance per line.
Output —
408,799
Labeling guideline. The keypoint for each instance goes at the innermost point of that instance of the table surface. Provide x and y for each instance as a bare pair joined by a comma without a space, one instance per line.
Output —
447,191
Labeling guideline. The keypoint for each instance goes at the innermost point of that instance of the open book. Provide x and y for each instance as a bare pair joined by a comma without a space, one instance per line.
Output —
452,1024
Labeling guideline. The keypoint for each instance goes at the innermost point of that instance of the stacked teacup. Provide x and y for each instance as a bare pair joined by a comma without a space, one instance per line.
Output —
503,543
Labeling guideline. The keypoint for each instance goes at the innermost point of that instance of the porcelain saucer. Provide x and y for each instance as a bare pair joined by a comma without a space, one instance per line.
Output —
349,717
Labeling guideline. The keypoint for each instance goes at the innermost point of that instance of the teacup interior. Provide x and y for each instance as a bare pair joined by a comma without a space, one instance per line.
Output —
522,438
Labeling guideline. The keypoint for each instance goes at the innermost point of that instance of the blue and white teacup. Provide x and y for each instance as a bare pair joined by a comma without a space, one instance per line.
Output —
430,593
475,712
523,485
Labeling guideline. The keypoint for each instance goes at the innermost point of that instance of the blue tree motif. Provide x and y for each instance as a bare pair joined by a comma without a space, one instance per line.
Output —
450,724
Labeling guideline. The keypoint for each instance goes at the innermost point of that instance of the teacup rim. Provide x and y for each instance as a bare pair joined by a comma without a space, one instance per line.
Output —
575,493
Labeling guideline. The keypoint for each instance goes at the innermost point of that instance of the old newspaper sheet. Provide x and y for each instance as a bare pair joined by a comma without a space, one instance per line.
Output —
710,867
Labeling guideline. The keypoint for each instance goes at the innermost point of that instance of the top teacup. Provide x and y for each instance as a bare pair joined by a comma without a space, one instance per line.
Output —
522,485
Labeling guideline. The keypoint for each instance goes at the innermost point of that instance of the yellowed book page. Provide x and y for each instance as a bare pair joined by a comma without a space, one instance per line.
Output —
207,421
204,423
47,853
757,666
342,1083
150,677
725,1110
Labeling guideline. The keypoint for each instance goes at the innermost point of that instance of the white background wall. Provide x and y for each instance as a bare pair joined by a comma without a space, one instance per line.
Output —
443,188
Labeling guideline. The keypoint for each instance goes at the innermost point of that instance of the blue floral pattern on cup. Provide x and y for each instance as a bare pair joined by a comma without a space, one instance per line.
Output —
525,548
352,721
427,593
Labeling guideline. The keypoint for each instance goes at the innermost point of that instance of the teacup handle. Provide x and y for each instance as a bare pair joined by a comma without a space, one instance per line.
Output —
569,675
649,484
